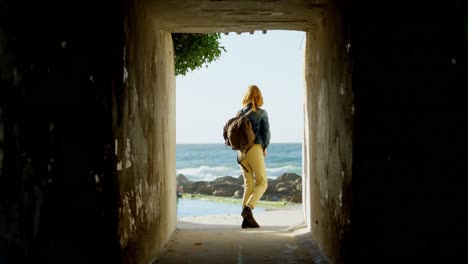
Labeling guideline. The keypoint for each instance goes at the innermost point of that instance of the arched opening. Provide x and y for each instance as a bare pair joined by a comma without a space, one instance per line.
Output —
208,97
328,107
327,124
99,147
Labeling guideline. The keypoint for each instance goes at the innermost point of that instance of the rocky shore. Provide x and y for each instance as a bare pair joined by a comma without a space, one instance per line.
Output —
285,188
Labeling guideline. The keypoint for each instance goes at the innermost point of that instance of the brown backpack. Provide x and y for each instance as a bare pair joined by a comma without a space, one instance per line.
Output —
238,132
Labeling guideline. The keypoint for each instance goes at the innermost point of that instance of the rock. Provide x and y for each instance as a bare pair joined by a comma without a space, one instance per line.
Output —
225,189
205,190
286,188
282,185
299,187
271,186
239,193
184,184
181,179
196,185
188,189
296,197
222,192
228,179
288,177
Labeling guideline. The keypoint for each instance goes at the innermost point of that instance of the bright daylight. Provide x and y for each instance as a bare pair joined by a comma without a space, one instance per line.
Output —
210,182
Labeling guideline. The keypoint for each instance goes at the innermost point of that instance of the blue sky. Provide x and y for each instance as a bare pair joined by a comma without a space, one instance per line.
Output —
206,98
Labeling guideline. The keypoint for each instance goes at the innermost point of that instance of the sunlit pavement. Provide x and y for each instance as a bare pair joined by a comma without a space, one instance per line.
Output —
281,238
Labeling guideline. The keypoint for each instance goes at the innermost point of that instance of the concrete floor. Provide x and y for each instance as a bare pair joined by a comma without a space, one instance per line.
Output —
281,238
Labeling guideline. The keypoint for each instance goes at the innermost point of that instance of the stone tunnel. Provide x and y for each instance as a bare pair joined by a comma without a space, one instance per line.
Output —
87,125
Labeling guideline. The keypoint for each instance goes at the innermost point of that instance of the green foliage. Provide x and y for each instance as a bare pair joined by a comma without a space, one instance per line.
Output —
192,51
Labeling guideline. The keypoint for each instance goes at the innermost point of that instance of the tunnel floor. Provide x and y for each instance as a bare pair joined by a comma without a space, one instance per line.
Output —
281,238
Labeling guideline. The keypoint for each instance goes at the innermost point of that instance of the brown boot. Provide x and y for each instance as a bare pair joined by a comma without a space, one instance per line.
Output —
245,223
249,220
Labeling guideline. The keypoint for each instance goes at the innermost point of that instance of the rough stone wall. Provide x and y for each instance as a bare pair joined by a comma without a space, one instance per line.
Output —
58,70
145,140
235,15
328,133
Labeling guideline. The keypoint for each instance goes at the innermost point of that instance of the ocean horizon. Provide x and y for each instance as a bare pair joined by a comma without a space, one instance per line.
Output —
209,161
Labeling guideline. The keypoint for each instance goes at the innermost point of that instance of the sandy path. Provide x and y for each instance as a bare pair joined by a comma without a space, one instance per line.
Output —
281,238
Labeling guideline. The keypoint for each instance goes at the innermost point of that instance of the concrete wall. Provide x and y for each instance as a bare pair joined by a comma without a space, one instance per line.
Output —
327,157
235,16
87,133
145,139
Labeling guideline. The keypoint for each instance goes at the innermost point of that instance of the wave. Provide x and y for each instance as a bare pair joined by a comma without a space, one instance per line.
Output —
208,173
278,171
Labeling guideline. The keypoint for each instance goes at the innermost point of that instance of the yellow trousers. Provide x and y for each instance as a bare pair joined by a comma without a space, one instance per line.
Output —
255,180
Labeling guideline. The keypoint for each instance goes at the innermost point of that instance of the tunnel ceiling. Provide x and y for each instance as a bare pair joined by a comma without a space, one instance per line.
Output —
235,15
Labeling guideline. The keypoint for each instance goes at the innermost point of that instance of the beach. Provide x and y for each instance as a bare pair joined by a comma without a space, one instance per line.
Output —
209,231
220,239
284,218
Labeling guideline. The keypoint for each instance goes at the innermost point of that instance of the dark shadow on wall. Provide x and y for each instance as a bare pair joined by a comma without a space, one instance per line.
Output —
60,64
410,159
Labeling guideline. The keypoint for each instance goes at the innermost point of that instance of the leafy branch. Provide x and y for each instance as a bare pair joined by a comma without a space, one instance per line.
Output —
192,51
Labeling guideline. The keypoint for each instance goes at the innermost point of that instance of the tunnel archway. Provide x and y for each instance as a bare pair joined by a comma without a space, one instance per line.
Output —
328,113
206,98
87,141
86,126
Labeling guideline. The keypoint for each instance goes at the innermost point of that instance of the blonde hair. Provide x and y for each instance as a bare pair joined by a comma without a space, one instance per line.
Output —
254,96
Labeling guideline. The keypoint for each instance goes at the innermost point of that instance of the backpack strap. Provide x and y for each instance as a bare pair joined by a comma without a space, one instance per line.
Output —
246,114
239,161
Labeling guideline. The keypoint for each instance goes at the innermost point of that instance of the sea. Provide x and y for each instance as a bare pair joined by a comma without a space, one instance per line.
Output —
206,162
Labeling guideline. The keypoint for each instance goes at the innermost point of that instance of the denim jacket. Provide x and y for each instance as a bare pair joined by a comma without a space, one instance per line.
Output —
260,125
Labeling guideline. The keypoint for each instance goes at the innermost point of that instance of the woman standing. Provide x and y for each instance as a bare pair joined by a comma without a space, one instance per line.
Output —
253,159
